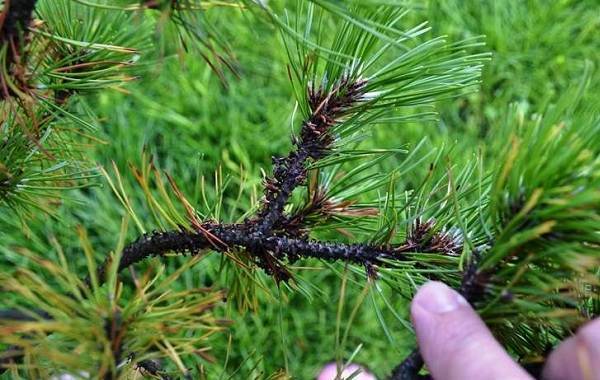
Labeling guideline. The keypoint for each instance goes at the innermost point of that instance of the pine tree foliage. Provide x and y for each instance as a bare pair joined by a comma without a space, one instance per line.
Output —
514,227
53,50
40,155
103,326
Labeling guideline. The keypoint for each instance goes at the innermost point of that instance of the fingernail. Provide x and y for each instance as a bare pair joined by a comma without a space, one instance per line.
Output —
438,298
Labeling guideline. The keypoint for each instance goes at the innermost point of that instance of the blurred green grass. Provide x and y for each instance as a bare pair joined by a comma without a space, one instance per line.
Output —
182,115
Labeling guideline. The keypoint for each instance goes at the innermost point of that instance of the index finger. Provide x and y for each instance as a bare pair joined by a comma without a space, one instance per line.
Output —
454,341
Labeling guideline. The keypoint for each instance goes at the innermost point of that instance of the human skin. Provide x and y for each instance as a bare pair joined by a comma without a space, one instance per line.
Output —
457,345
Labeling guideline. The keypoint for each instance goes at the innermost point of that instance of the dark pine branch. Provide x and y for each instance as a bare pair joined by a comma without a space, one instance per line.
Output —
328,108
273,248
409,368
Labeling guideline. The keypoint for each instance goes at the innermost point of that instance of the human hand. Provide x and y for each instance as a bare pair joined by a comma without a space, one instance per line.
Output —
457,345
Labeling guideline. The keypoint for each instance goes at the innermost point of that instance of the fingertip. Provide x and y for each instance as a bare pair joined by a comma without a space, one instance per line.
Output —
576,358
437,297
453,340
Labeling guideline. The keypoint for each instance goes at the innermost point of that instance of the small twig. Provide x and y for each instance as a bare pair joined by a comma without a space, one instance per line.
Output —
328,107
114,330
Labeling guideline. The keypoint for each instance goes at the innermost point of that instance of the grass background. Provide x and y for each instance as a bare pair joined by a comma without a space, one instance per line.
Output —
181,114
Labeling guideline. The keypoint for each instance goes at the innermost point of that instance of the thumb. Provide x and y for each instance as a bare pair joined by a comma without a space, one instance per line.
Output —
454,341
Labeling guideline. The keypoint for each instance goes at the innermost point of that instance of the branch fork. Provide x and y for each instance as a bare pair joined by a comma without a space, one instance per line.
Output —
273,238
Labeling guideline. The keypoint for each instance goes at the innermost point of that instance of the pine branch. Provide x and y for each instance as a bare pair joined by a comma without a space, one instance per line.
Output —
314,143
269,249
255,235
